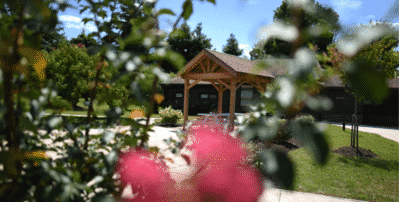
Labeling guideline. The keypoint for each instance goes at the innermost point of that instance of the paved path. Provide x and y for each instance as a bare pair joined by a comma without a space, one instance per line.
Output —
392,134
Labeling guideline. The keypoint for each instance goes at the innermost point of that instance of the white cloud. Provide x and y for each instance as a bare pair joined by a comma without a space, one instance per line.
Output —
347,4
69,18
77,23
246,49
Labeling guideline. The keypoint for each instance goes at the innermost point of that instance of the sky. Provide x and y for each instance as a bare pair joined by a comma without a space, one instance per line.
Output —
243,18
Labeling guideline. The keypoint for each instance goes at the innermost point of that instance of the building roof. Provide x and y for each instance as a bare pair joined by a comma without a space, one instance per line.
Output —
277,68
237,63
335,81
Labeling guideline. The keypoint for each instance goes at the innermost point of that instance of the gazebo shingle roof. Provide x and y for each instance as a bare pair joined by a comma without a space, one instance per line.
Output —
244,65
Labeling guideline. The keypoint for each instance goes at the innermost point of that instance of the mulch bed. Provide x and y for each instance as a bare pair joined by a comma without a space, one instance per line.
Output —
351,152
294,143
285,147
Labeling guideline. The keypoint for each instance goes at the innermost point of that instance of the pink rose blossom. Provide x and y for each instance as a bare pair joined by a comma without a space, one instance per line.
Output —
222,174
146,174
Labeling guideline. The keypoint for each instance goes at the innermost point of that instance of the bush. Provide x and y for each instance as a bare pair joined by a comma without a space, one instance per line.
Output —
60,103
108,94
307,119
169,115
282,136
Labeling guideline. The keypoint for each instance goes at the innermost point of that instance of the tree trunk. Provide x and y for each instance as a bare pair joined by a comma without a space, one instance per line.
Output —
354,128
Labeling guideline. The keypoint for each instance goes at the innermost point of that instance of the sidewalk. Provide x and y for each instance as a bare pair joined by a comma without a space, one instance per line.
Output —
388,133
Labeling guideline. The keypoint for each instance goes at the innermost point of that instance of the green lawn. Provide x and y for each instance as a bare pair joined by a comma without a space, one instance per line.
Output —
363,179
99,109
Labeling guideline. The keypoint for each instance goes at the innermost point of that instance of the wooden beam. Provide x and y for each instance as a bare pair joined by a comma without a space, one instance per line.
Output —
208,64
210,76
202,66
239,85
214,67
226,85
190,64
194,83
186,102
216,87
232,105
255,86
220,97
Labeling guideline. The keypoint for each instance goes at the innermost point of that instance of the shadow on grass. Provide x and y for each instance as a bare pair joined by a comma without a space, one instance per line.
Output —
380,163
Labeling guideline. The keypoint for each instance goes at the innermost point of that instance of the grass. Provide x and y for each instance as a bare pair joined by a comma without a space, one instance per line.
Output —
356,178
101,111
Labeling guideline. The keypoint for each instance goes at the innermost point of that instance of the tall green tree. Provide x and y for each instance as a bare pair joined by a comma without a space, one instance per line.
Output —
191,44
323,16
232,46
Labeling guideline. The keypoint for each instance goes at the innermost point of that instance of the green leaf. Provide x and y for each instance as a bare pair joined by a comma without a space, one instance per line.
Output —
277,167
212,1
107,137
84,9
147,9
366,81
187,9
103,197
85,20
102,14
96,180
165,11
177,60
313,139
178,33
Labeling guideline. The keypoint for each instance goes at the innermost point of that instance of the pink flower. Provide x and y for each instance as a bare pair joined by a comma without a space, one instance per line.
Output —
233,184
147,175
223,174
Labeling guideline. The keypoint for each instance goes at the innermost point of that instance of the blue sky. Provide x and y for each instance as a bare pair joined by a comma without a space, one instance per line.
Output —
241,17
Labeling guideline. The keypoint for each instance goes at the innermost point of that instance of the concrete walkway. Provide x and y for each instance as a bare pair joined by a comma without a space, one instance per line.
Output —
388,133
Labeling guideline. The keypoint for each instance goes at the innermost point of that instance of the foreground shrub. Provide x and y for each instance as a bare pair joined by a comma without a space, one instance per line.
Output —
169,115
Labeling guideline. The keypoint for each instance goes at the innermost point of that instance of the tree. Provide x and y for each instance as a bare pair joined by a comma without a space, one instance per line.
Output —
232,46
71,69
87,41
191,44
379,58
324,16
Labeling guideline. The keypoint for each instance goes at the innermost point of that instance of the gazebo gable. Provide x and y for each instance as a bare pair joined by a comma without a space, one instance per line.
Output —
204,67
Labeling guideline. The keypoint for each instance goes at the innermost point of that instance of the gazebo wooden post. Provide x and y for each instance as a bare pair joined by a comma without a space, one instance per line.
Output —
220,96
186,102
232,105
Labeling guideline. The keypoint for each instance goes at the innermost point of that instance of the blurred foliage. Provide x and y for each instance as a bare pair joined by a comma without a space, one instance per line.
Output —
84,167
319,17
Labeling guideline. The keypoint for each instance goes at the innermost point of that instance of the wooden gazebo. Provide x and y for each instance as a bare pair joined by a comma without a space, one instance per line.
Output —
224,72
